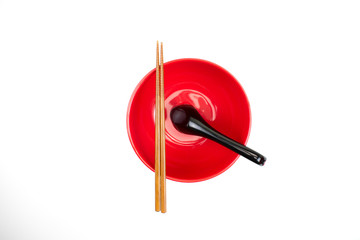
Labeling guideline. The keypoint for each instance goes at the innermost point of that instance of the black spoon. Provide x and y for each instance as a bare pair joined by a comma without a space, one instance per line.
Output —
187,120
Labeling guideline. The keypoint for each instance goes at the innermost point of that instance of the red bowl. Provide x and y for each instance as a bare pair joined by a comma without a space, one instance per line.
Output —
218,97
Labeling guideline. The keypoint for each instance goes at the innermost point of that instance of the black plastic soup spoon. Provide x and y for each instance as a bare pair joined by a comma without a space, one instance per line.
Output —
187,120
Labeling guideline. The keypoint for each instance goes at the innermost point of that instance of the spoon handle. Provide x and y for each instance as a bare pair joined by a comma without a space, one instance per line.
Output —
205,130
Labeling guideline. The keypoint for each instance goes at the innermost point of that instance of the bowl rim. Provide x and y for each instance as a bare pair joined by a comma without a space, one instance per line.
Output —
135,92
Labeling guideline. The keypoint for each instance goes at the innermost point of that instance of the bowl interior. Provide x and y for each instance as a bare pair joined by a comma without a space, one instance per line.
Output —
217,96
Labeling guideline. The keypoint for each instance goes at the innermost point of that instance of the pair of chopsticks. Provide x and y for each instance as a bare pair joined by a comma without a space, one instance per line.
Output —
160,164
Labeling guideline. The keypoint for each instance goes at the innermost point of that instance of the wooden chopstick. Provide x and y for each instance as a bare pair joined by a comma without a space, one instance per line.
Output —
160,160
162,135
157,133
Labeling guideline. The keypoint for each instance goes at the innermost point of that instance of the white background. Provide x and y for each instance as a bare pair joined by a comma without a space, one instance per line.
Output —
67,71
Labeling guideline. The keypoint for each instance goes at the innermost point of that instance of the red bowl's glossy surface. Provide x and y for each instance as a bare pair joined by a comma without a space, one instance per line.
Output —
218,97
